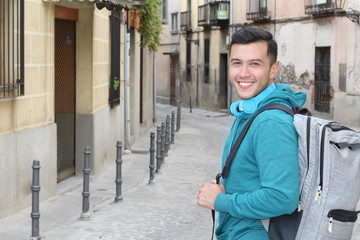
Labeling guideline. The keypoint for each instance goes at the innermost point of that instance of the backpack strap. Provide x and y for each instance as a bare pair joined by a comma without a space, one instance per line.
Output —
235,147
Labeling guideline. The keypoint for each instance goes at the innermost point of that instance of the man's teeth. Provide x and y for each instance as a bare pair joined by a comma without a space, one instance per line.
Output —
245,84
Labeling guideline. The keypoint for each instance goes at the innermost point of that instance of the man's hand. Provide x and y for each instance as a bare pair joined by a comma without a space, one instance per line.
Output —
208,193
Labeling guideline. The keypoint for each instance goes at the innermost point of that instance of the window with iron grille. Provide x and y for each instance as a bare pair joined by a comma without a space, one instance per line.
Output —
323,93
12,48
114,88
188,61
207,60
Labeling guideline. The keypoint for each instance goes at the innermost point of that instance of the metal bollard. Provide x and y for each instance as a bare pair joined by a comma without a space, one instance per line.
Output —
158,149
152,157
85,215
118,179
172,141
162,142
178,118
35,214
167,133
190,105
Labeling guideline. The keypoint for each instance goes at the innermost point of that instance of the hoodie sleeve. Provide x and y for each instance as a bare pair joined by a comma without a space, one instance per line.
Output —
275,149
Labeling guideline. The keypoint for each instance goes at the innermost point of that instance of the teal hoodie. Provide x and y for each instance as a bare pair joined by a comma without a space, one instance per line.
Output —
263,181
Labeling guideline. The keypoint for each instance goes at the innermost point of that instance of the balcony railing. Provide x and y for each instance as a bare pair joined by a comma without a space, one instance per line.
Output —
258,16
257,11
323,7
203,15
214,13
185,21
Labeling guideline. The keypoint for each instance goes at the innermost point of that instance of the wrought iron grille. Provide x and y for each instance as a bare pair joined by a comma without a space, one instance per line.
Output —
185,21
323,94
12,48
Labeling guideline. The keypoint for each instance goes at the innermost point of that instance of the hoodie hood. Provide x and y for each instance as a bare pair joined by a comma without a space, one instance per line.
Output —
283,94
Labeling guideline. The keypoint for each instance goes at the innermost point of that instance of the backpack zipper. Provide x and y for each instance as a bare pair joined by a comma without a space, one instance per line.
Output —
320,186
308,130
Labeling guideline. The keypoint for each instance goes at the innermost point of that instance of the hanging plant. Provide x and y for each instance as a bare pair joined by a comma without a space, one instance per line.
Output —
150,23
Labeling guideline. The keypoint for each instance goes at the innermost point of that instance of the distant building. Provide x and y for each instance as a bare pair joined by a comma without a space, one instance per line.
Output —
318,47
167,57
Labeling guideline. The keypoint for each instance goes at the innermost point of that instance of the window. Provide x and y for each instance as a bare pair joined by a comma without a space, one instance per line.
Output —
12,48
342,77
323,89
257,10
318,2
188,61
174,22
164,11
207,60
114,88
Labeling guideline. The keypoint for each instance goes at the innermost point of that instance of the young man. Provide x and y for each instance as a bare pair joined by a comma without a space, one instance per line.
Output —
263,181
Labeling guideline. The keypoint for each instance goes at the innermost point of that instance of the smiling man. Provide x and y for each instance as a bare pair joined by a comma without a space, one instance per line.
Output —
263,181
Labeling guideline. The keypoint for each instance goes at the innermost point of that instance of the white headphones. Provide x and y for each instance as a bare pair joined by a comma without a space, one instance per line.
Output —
250,105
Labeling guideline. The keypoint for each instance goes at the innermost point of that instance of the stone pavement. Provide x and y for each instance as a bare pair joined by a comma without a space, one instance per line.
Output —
164,210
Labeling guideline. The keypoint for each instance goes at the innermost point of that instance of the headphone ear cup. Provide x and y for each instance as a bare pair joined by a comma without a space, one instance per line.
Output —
234,109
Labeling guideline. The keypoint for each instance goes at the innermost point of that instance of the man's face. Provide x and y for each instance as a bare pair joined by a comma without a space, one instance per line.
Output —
250,70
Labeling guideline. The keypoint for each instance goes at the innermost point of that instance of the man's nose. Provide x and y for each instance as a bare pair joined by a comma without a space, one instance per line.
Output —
244,71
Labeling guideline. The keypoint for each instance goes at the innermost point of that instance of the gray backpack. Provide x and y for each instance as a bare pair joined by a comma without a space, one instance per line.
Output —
329,160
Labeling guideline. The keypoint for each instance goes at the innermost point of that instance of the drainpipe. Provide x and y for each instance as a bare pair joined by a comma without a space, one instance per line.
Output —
229,41
154,87
127,89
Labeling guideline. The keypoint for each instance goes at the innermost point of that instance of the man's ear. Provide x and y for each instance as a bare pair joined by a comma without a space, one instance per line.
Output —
274,70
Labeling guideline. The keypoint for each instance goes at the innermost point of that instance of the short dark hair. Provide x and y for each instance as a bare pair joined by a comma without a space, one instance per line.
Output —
248,35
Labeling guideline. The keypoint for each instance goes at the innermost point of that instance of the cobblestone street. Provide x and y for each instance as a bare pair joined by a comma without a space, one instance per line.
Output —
164,210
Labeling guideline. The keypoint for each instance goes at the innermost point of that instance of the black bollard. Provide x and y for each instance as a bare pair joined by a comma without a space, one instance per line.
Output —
118,179
190,105
172,141
163,142
35,213
152,157
178,118
158,149
85,215
167,133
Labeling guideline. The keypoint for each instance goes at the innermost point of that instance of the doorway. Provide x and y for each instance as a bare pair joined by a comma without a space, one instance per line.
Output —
65,43
174,61
223,84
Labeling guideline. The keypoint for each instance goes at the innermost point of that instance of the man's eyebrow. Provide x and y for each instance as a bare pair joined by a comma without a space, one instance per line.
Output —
251,60
256,60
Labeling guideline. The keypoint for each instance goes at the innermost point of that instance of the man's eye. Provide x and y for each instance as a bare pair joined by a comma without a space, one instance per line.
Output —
254,64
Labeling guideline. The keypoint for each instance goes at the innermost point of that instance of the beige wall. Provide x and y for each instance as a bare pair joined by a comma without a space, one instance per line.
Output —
84,61
27,129
36,107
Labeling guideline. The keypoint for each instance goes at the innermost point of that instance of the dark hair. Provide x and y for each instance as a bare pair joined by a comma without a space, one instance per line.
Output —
248,35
